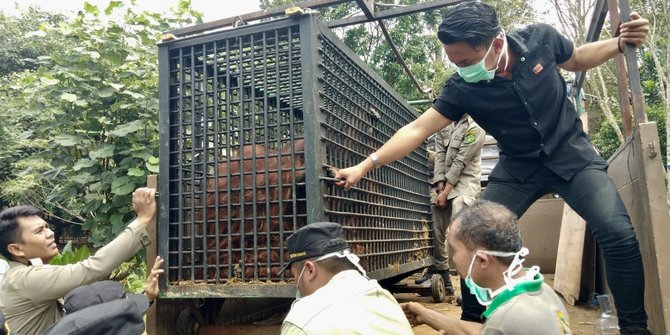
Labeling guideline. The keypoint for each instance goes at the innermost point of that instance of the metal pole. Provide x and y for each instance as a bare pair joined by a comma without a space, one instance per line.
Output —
622,79
633,70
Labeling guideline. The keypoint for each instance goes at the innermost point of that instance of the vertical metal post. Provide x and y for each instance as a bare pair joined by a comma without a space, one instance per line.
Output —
622,79
309,38
164,116
633,70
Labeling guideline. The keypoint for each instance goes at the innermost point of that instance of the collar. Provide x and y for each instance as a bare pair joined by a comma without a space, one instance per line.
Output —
517,44
532,285
31,262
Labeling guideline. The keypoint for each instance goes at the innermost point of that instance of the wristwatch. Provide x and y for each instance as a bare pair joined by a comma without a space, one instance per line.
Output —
375,160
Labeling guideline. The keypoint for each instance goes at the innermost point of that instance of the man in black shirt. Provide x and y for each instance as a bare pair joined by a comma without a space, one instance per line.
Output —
510,85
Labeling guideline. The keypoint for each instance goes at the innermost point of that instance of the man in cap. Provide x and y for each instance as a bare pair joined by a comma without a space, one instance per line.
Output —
334,296
102,308
488,252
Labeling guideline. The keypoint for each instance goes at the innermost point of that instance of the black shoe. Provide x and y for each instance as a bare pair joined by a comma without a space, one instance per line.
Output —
447,281
426,277
635,331
448,287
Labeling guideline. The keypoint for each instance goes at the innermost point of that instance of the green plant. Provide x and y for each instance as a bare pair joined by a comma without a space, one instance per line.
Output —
86,119
70,255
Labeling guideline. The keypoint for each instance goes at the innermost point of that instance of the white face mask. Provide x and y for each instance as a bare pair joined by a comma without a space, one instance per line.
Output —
298,294
339,254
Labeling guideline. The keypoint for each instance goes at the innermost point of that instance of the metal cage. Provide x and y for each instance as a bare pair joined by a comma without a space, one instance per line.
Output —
251,121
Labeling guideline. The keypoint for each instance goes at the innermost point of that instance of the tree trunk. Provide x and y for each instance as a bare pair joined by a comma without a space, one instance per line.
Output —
604,106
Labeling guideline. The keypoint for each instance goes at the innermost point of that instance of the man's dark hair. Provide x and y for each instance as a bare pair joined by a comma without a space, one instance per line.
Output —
10,232
472,22
489,225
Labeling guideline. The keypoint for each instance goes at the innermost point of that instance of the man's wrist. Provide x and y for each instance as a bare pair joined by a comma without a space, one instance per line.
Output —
375,160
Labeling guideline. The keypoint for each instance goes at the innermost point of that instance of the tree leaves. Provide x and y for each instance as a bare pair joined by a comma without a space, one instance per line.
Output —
84,163
68,97
102,151
113,5
128,128
105,92
152,165
122,186
92,9
136,172
67,140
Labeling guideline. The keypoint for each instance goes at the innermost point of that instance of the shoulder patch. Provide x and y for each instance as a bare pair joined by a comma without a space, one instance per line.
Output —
470,136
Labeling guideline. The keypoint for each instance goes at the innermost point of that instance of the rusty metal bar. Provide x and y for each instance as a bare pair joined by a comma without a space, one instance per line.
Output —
395,12
622,79
368,8
633,70
592,35
254,16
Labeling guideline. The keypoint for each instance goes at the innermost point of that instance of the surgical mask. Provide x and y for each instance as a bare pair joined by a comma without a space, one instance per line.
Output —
298,295
485,295
339,254
477,72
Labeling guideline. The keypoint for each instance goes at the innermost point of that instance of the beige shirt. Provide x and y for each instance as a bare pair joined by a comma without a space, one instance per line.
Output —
458,161
30,295
538,312
348,304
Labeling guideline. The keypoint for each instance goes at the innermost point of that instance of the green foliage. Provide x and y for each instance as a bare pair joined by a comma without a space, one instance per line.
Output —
85,121
415,36
607,142
70,255
132,274
16,34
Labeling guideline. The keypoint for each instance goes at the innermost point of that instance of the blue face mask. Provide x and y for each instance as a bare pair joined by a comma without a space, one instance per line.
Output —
478,72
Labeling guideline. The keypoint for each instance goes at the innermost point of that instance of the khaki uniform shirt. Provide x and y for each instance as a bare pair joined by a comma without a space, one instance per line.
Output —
348,304
532,308
30,295
458,160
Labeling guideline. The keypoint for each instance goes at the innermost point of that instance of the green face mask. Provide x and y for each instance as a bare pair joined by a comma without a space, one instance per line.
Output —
485,295
478,72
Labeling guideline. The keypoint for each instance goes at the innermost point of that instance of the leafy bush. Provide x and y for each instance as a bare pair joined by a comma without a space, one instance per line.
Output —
607,142
86,119
70,255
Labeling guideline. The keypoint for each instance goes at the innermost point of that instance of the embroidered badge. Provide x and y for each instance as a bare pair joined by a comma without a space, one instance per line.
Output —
470,137
538,68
